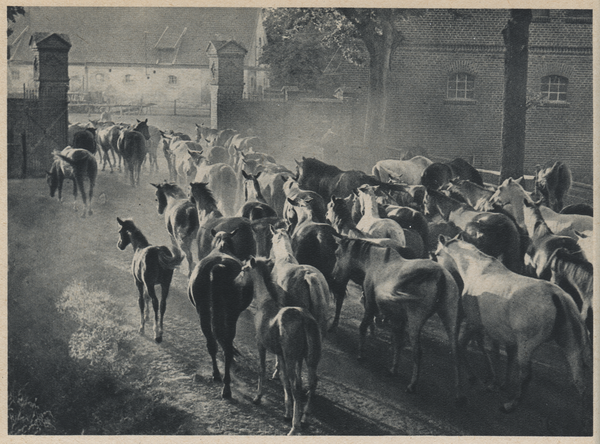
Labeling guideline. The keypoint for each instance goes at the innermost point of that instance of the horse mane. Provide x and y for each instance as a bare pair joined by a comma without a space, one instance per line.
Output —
312,166
541,227
263,267
206,193
173,189
342,212
361,248
135,232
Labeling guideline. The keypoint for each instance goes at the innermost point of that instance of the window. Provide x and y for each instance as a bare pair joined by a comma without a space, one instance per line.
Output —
554,88
578,16
172,80
460,86
540,15
99,77
128,78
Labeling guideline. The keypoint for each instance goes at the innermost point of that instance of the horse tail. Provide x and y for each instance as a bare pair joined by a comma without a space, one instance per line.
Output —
168,260
319,297
569,330
578,274
313,341
219,289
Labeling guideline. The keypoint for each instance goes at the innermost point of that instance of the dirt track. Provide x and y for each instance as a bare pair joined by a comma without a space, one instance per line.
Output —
51,249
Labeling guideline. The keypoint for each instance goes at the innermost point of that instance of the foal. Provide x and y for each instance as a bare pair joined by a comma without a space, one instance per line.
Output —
151,266
289,332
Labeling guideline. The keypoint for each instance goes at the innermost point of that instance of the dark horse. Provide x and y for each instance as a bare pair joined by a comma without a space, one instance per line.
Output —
75,164
552,183
85,139
219,301
151,265
438,174
210,218
328,180
495,234
132,146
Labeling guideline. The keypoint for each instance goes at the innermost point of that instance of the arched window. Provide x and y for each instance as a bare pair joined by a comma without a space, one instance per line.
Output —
460,86
99,77
554,88
172,80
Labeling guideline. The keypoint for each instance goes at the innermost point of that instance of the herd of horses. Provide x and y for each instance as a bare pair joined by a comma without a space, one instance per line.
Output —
419,237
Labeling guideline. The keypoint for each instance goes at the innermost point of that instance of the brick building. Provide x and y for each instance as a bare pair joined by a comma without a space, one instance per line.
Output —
446,88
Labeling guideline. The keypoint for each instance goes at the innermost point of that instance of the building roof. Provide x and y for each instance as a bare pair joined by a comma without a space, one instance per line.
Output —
146,35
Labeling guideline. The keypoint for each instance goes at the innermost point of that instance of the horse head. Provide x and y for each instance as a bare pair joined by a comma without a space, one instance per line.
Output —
142,127
127,227
223,241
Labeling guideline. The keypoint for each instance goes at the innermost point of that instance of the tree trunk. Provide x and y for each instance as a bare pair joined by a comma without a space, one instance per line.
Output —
516,41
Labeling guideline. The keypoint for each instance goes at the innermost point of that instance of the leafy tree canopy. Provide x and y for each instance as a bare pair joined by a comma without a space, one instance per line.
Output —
11,15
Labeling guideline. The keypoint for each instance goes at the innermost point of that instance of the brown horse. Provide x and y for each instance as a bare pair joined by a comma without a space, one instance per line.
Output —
437,174
74,164
407,293
552,183
291,333
132,146
151,266
219,300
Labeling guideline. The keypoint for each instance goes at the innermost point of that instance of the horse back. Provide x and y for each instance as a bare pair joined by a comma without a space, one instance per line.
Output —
314,244
465,171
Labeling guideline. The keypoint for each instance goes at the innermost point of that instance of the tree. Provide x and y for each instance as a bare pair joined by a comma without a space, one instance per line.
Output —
362,35
516,41
11,15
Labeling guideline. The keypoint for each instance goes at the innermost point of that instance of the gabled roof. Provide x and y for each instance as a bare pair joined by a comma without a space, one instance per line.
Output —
132,35
49,39
215,47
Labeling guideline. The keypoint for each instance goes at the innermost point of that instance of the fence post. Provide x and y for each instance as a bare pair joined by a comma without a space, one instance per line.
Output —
175,107
24,150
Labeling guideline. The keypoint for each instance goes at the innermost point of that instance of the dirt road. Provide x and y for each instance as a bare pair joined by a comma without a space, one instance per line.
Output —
53,252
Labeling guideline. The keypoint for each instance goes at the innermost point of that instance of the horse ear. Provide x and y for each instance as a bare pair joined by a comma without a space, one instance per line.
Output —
292,202
213,232
146,121
256,176
442,239
246,176
355,191
252,261
197,126
138,121
297,163
234,232
519,180
271,229
154,185
120,221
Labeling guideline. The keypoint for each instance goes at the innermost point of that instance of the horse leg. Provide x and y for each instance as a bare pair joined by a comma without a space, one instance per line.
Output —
78,183
339,292
228,351
450,315
287,390
523,370
398,325
470,331
415,325
211,343
511,353
312,388
295,379
141,303
262,354
157,328
367,320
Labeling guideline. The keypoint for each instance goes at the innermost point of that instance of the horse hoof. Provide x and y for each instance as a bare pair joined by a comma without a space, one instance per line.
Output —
287,418
158,339
226,394
90,212
257,400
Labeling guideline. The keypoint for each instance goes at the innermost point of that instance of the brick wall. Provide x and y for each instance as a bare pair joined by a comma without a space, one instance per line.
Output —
437,45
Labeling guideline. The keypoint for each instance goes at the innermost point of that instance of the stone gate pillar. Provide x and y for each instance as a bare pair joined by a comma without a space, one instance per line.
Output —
51,77
226,63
